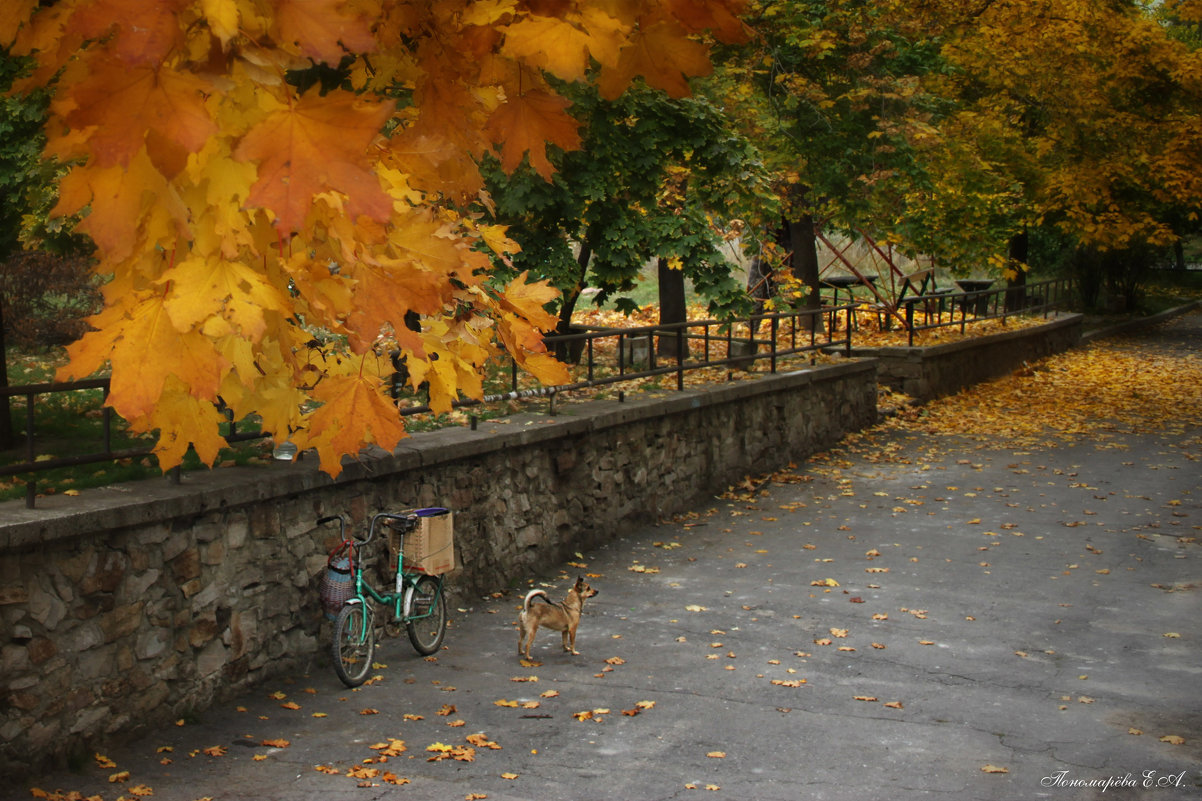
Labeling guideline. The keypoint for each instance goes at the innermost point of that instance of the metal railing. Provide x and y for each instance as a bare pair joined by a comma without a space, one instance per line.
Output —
605,357
945,309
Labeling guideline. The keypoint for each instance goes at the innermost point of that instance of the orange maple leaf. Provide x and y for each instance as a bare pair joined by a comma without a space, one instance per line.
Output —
141,104
721,17
562,46
315,144
17,14
526,123
120,202
663,55
529,300
324,30
354,410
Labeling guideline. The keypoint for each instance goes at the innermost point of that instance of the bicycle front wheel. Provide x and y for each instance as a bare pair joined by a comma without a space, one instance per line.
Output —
427,619
353,644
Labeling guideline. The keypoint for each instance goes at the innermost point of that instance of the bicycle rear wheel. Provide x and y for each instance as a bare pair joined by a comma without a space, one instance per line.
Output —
427,622
353,644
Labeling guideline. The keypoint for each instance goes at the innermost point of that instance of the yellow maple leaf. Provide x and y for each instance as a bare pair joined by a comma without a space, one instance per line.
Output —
562,46
206,287
355,409
222,17
182,420
145,348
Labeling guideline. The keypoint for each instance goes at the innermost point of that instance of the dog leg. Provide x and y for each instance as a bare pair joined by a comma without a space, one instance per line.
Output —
530,638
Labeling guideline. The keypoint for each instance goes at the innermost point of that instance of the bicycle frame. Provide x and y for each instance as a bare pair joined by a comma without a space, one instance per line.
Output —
396,600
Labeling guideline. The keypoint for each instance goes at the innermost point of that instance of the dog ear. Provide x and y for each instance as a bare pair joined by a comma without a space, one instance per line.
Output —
579,582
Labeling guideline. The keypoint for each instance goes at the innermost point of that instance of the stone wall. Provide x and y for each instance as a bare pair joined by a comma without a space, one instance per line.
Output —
925,373
131,606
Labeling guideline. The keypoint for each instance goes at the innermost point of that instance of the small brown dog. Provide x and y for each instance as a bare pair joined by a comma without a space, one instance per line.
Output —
563,616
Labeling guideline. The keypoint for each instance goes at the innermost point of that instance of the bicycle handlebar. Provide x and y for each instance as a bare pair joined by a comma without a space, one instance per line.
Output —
409,519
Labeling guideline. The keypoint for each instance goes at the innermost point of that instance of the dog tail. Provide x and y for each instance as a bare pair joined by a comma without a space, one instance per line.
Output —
530,596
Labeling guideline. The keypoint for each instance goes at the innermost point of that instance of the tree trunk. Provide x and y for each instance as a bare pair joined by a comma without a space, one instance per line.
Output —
1016,294
1179,255
672,309
804,247
571,297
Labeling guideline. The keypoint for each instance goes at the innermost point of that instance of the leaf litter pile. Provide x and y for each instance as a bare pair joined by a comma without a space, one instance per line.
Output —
1110,387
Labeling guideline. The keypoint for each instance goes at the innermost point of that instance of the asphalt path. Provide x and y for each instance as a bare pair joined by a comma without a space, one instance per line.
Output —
912,616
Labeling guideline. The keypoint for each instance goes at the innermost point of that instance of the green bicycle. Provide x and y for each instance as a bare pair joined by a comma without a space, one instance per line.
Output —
416,602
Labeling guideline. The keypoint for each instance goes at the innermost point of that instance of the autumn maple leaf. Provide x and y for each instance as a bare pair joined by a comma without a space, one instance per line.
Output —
324,30
562,46
184,421
131,106
354,410
525,124
663,56
119,203
10,21
144,353
316,144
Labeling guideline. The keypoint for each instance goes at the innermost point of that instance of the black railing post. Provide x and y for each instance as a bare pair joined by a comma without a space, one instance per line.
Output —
774,328
681,330
30,452
910,323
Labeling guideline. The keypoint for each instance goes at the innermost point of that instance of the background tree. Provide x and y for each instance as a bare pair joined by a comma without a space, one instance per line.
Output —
831,92
1090,111
655,178
265,235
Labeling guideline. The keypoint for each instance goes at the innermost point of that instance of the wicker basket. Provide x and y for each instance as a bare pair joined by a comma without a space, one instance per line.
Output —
429,547
336,585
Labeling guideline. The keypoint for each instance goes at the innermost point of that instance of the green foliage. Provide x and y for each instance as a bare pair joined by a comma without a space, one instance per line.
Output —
20,152
655,177
28,188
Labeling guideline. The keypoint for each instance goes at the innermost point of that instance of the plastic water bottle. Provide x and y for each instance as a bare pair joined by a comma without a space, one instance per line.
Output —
284,451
